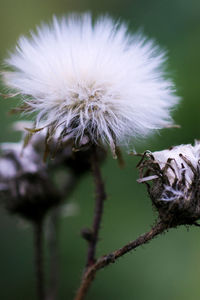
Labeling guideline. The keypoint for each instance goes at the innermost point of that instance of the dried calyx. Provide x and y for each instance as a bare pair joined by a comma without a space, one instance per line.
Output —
25,186
173,180
67,154
64,152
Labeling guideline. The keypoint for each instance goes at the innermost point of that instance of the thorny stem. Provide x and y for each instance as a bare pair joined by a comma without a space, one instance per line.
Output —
105,260
100,197
38,235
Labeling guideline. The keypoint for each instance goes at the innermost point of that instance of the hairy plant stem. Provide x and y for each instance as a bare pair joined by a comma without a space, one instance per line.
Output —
38,235
99,205
105,260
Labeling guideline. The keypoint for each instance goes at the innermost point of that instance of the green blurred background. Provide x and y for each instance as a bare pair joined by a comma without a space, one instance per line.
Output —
168,267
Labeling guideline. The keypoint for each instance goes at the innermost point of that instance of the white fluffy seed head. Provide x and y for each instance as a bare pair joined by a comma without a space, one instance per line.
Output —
92,79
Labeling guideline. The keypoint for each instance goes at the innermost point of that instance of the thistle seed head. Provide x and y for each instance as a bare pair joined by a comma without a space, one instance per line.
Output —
91,79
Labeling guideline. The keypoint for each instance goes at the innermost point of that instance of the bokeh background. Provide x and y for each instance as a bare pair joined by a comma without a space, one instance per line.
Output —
168,267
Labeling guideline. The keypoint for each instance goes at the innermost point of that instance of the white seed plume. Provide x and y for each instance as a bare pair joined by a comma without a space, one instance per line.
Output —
178,156
174,172
92,79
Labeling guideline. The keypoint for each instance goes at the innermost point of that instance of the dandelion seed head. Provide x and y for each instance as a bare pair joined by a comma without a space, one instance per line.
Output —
92,78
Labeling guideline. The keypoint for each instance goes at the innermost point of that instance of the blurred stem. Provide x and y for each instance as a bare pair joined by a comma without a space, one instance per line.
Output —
53,229
105,260
53,239
99,204
38,235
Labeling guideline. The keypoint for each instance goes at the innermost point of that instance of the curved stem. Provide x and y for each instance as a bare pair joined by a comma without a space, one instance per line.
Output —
38,235
100,197
105,260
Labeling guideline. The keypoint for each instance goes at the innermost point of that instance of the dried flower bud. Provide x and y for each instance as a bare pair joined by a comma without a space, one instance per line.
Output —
25,187
175,177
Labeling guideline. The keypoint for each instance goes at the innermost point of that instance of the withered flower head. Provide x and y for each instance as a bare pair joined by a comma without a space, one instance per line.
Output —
25,187
173,180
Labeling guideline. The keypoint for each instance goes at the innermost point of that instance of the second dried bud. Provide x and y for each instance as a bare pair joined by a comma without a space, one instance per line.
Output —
173,180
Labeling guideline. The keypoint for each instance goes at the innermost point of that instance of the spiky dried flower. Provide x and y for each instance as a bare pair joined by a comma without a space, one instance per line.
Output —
25,187
93,80
175,182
